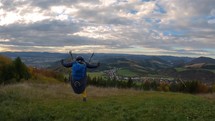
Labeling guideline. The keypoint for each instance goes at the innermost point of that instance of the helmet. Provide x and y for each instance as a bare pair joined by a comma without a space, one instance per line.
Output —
79,58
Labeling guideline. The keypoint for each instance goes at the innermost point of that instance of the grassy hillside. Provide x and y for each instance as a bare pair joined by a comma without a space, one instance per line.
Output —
95,74
48,102
126,72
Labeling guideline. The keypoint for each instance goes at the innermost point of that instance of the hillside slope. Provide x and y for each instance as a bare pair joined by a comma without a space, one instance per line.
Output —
45,102
201,63
206,60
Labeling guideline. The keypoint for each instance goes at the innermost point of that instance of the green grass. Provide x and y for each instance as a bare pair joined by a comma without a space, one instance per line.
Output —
211,70
179,69
126,72
95,74
56,102
156,76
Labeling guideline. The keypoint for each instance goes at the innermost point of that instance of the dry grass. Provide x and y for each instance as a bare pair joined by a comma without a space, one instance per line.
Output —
107,92
208,96
61,91
40,91
199,65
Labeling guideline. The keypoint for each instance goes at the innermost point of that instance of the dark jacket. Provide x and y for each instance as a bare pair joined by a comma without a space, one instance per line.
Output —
71,63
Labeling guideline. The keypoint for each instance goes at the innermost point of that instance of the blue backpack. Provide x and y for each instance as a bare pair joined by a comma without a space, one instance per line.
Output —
78,71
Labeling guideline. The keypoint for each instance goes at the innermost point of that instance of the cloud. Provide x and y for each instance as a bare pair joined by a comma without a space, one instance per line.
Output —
119,26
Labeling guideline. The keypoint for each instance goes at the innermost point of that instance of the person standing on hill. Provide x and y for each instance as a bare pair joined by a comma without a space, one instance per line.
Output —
78,77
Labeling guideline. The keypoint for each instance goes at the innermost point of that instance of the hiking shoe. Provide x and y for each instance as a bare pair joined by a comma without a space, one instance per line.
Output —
85,99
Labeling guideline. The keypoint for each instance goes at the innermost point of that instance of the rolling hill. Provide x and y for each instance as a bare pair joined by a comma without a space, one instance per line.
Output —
205,60
140,65
44,59
201,63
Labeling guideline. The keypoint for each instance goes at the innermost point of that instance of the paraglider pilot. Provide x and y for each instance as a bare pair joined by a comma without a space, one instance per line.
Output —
78,77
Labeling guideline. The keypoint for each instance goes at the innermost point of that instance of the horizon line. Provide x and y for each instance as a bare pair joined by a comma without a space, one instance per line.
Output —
101,53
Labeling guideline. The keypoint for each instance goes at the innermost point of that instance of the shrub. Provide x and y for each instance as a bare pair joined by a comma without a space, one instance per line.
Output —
213,88
202,88
6,74
163,87
146,85
47,73
174,87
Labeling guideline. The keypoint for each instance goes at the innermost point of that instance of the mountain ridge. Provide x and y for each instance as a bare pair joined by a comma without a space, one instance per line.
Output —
143,65
37,58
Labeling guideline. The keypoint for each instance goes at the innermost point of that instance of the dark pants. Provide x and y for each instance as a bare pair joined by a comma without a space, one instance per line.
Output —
78,86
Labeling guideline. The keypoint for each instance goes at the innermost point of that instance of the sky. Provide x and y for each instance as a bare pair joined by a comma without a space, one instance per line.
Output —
148,27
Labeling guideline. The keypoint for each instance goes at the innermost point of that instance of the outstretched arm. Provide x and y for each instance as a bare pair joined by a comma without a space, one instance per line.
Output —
92,66
66,64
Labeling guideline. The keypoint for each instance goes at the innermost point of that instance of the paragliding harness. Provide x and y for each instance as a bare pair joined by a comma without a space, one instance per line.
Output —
78,78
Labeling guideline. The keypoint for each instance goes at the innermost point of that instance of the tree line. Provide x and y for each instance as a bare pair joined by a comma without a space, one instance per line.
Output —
12,71
193,86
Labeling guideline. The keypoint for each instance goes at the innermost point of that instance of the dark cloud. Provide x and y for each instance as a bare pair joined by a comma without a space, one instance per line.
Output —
44,4
175,27
49,33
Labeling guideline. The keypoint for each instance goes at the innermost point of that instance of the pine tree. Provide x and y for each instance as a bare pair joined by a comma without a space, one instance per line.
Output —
6,70
130,82
6,73
21,71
